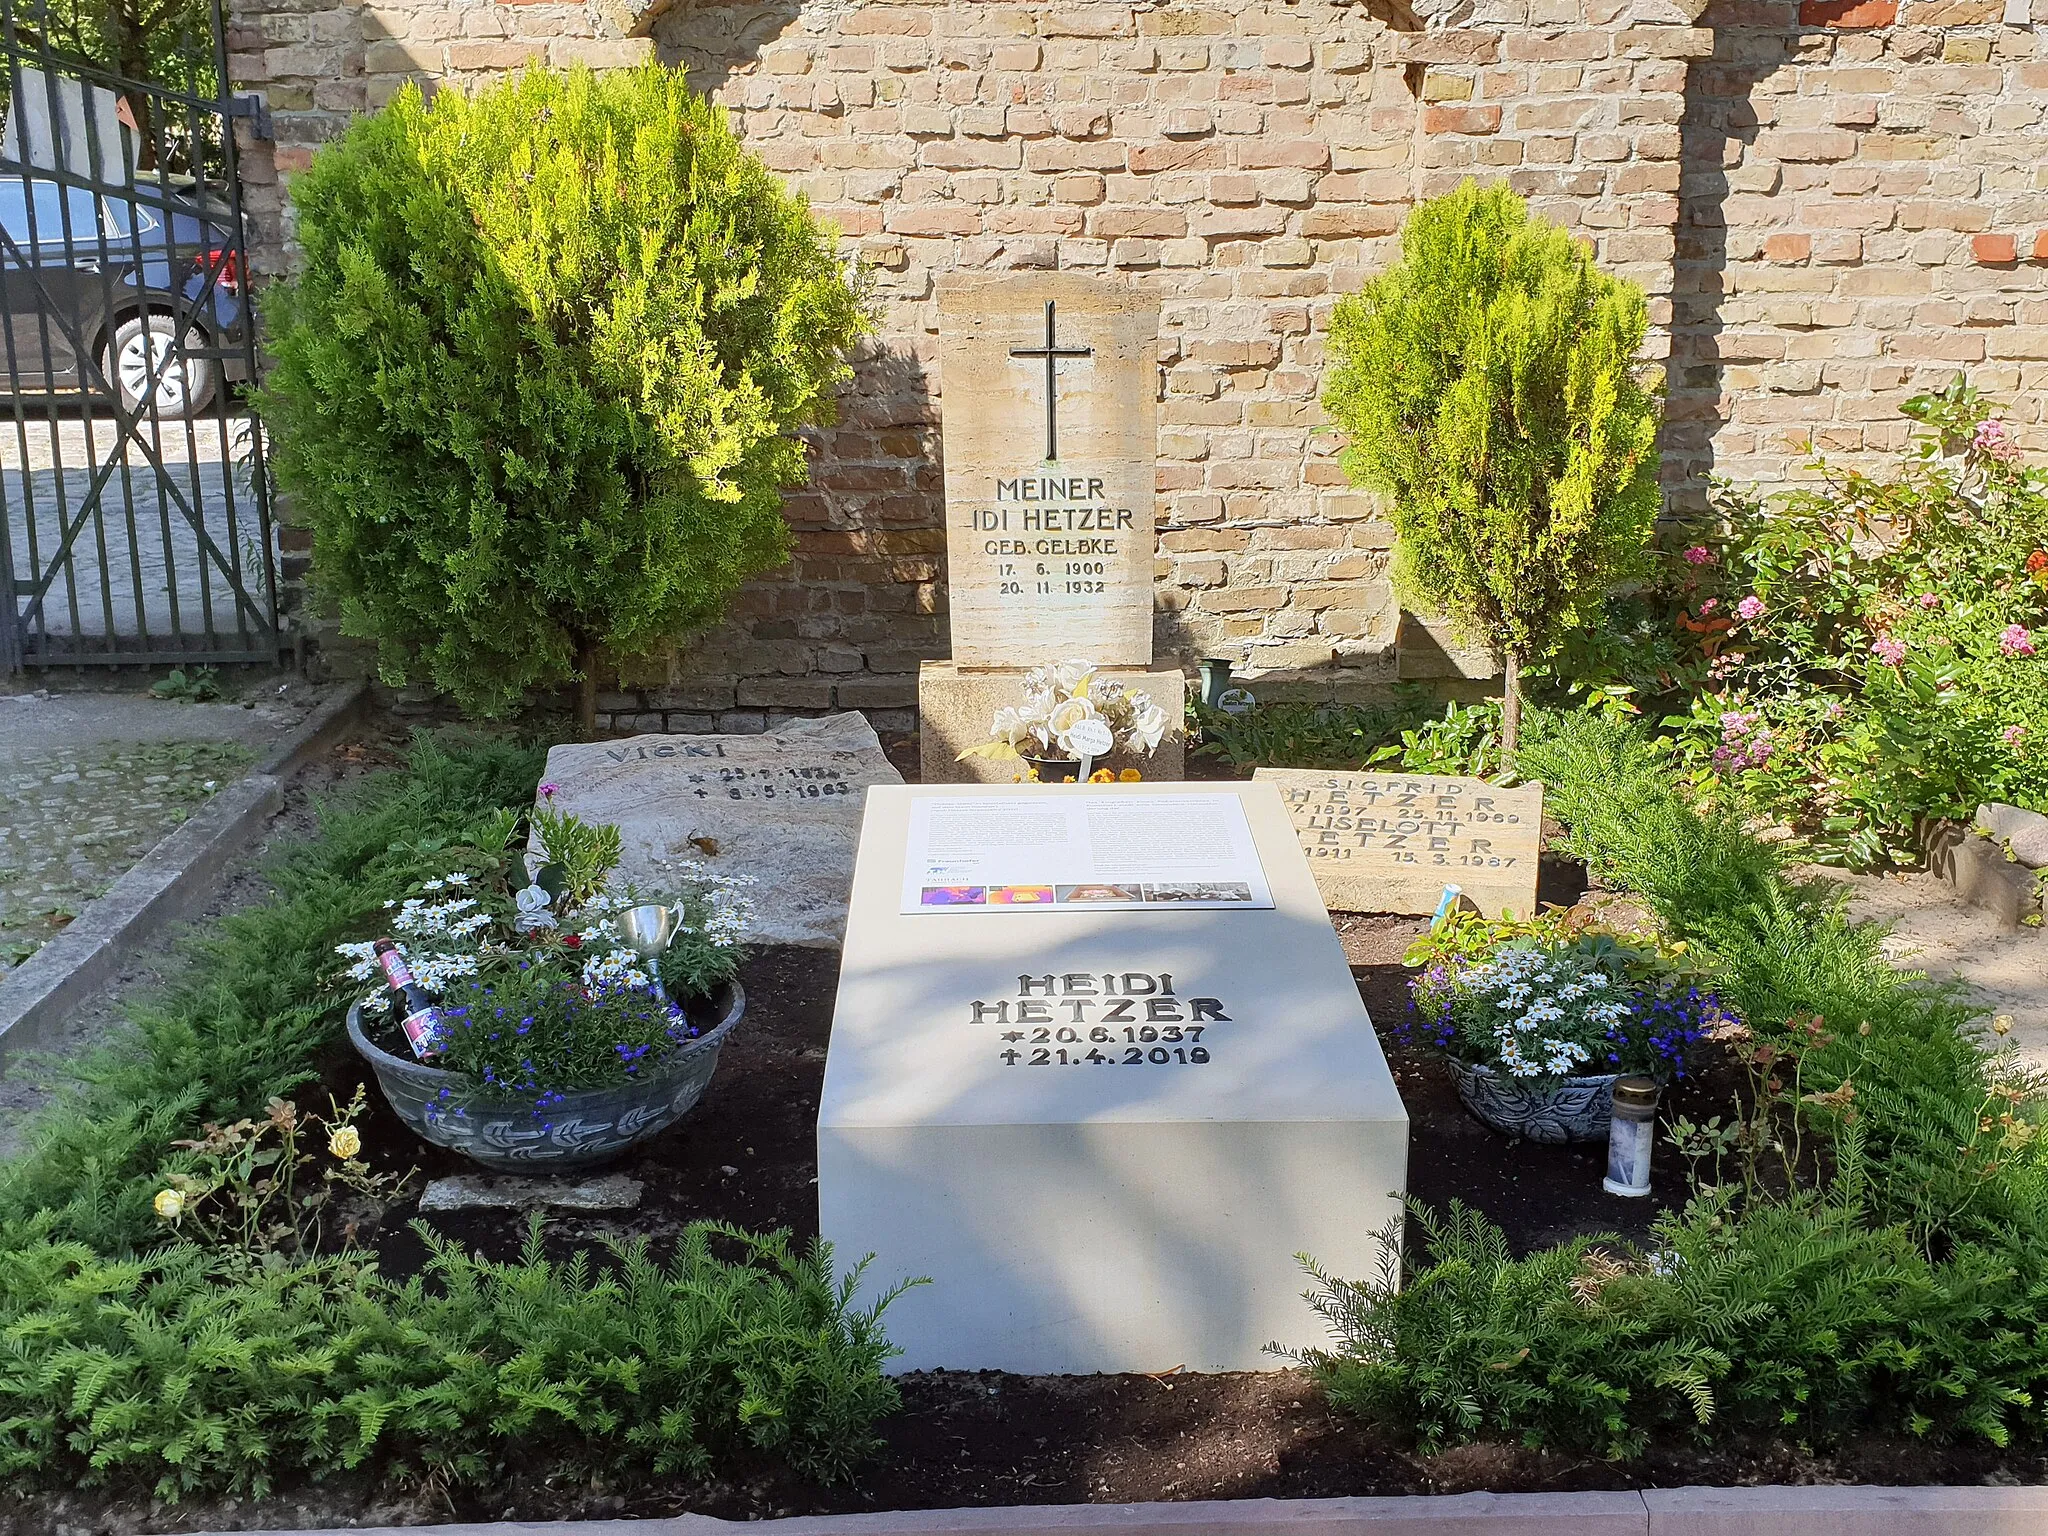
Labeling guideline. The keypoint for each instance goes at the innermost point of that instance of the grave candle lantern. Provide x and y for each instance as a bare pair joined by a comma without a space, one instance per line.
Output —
1215,680
1630,1134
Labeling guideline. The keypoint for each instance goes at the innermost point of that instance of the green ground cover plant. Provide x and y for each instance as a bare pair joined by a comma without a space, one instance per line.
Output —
538,379
134,1351
1862,1248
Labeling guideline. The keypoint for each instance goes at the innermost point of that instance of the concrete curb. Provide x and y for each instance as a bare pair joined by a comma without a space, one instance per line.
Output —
35,995
1834,1511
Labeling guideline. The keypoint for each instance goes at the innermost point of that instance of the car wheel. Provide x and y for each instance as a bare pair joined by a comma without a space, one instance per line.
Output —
184,386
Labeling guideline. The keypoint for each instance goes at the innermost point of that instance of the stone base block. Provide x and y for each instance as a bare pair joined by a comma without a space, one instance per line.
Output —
1982,875
955,705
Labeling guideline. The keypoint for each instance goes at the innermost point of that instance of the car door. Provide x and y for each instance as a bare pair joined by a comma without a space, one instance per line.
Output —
49,274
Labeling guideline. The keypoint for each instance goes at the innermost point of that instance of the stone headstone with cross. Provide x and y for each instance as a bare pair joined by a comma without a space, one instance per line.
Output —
1050,422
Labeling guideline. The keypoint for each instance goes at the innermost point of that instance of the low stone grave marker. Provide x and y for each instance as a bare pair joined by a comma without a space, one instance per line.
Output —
782,809
1391,842
1099,1070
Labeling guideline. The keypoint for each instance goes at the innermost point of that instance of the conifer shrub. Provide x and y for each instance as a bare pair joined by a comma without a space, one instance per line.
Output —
538,380
1488,384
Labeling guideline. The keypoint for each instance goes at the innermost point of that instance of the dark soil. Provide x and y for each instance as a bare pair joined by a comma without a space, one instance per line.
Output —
747,1155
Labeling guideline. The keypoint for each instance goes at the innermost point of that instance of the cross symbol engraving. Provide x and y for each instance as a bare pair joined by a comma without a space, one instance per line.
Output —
1052,352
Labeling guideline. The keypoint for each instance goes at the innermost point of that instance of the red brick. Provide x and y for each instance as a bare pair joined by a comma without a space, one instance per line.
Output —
1461,119
1848,15
2041,246
1299,154
1788,247
1994,250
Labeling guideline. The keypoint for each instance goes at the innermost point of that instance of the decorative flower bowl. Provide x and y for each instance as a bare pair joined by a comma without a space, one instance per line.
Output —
1552,1110
578,1130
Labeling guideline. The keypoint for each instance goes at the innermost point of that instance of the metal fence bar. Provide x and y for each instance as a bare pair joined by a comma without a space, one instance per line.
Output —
143,281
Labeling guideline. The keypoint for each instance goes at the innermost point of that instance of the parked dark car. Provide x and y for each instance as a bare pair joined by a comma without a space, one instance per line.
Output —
145,283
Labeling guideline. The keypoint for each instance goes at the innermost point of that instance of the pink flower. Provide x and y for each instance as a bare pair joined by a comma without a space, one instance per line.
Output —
1750,606
1995,439
1889,651
1699,554
2016,641
2013,735
1710,605
1745,741
549,789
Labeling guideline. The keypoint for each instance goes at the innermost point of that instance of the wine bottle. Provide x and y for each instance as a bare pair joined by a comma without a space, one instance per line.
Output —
418,1016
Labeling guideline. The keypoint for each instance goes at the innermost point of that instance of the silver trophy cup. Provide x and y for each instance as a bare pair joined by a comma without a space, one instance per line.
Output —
648,930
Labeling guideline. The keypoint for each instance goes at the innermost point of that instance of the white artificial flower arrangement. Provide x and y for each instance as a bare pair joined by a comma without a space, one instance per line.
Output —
1059,698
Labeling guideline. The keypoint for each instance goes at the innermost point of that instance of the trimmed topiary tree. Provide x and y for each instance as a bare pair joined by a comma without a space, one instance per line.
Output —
538,379
1487,383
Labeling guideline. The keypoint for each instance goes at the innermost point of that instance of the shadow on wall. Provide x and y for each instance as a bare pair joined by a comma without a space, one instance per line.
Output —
861,602
714,42
1718,131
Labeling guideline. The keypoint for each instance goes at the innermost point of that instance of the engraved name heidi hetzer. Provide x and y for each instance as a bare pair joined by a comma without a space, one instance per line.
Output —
1102,1019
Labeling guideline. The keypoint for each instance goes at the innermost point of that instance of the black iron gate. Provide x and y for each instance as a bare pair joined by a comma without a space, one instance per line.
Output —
137,527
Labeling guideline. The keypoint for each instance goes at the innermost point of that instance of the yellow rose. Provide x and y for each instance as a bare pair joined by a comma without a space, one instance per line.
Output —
2002,1025
1102,776
170,1205
1130,776
345,1143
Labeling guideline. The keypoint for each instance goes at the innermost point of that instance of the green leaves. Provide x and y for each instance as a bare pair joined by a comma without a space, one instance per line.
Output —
539,377
1900,1283
1487,383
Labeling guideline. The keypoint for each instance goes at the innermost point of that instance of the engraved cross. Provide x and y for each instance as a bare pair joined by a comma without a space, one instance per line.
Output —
1052,352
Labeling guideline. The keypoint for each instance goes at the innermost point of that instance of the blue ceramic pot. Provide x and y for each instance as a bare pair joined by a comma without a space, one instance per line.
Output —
1550,1110
591,1126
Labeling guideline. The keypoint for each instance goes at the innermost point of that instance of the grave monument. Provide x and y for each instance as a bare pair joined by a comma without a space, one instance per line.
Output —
1099,1070
782,808
1391,842
1051,443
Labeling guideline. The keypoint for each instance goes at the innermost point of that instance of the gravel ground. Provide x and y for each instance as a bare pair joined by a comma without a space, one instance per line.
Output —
90,782
28,1084
1935,932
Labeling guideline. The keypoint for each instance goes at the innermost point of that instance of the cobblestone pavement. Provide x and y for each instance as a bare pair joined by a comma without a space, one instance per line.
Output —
73,821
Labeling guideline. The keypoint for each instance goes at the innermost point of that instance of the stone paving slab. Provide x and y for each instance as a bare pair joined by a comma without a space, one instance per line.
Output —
1829,1511
91,781
36,994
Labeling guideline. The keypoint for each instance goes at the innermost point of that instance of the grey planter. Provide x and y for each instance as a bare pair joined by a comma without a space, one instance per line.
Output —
1555,1110
450,1109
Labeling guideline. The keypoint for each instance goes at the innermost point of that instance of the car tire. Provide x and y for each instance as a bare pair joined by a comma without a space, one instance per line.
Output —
184,387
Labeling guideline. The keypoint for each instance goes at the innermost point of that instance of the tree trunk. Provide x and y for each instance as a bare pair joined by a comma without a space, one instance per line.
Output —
1511,707
586,692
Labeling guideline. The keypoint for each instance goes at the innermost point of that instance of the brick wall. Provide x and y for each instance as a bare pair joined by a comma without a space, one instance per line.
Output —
1807,200
1865,202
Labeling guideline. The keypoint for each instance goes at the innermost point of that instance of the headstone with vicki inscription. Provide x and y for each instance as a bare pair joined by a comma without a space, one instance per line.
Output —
782,809
1391,842
1098,1069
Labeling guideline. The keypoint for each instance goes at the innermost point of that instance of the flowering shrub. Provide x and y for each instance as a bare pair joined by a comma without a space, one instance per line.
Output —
1538,1007
1860,654
540,993
1059,699
261,1186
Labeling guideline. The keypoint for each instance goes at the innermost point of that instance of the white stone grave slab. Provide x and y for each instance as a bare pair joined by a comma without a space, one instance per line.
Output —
1104,1131
782,808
